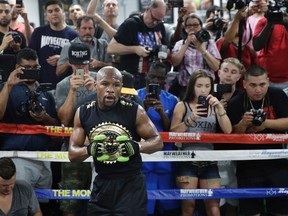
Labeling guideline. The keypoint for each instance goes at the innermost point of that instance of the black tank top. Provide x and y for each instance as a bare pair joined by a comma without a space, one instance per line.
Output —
120,120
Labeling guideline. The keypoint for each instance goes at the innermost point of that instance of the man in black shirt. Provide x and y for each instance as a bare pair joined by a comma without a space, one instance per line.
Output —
260,109
137,39
114,127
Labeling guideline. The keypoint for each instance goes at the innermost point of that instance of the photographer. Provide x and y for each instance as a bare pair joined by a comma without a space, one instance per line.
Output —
260,109
271,40
215,23
18,107
11,41
228,45
19,11
189,6
197,51
137,40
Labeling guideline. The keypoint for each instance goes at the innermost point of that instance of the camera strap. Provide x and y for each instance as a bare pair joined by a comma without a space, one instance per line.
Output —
250,35
250,38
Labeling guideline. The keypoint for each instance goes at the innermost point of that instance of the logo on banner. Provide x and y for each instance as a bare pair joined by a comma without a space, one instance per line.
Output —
185,136
258,137
196,193
178,154
283,191
271,192
277,137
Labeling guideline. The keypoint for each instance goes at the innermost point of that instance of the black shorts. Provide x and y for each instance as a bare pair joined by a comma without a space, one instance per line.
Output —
119,197
278,177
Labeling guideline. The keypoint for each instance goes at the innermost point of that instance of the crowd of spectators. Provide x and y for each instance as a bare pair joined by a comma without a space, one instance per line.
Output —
55,72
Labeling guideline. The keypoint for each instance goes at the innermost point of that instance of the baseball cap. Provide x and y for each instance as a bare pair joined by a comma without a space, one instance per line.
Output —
79,54
128,84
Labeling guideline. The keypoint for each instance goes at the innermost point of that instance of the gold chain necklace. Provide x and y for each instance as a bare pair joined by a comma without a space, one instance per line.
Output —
253,106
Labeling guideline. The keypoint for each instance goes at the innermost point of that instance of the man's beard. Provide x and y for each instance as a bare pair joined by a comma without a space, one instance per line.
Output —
87,38
5,24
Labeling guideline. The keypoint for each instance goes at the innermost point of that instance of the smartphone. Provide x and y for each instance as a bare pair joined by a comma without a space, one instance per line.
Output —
153,90
204,104
19,3
80,72
176,3
223,88
33,74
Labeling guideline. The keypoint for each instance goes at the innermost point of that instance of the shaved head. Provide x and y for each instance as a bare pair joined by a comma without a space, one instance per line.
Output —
108,87
103,72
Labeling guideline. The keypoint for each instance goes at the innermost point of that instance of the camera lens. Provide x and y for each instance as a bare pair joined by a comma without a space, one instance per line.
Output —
218,22
37,108
203,35
17,39
259,116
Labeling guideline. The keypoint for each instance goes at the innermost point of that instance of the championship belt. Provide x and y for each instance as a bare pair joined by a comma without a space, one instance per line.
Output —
111,152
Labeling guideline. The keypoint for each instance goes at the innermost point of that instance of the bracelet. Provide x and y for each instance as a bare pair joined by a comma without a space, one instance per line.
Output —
204,53
223,114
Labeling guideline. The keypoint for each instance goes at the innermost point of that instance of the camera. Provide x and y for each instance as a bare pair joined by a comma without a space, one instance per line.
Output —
30,74
16,37
218,23
239,4
259,116
32,103
221,89
276,9
158,51
203,35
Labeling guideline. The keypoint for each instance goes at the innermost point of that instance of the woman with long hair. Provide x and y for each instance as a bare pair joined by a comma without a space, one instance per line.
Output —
191,116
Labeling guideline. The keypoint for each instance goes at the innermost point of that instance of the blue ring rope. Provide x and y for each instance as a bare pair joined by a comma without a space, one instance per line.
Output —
175,194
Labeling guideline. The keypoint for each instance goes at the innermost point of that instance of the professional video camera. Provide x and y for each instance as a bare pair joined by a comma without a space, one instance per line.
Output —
32,103
259,116
276,9
239,4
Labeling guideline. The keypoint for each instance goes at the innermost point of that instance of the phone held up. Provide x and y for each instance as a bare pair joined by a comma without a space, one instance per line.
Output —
204,104
153,91
80,72
32,74
19,3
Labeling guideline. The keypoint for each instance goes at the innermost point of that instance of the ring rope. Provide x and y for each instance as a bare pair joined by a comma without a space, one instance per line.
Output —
173,194
166,136
164,156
